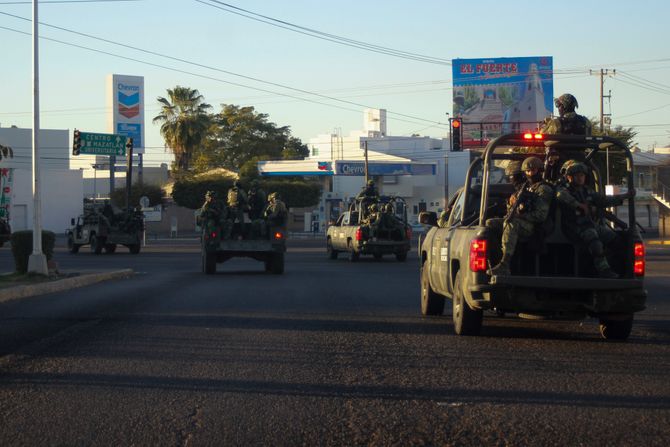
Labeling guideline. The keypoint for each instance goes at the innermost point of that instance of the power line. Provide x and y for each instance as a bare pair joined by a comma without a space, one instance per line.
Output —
324,36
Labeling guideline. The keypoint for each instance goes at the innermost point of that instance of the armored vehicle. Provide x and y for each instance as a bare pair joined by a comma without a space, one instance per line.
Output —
552,274
106,227
374,228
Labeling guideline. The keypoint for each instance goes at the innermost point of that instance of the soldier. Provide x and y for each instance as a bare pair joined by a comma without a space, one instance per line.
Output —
568,121
581,203
372,219
530,210
237,203
276,213
257,201
368,195
552,166
516,178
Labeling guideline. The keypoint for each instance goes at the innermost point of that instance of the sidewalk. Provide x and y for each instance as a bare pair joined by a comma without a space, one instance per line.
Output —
10,293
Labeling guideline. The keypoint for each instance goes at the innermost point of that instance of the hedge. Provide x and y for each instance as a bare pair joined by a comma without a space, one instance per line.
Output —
190,193
22,247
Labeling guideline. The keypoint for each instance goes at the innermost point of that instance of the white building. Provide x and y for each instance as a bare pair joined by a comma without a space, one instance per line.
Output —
413,168
61,187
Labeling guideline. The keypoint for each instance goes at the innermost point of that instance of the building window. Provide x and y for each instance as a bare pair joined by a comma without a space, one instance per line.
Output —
315,151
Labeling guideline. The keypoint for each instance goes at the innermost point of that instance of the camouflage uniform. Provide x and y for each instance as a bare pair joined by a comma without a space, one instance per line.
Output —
578,225
528,214
568,122
372,219
367,196
237,203
214,214
517,178
257,200
276,213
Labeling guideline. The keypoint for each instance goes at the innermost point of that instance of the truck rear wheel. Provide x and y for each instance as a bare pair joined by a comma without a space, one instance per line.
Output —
208,262
353,254
134,248
96,244
431,303
467,321
332,253
71,246
276,263
618,329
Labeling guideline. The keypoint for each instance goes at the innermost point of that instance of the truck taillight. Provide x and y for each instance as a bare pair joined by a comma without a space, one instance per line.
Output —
638,260
278,235
359,234
478,255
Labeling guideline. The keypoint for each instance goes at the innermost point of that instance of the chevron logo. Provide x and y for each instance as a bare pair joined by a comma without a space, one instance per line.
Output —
129,105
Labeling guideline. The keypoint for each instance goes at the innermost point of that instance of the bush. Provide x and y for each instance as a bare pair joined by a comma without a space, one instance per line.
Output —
22,247
190,193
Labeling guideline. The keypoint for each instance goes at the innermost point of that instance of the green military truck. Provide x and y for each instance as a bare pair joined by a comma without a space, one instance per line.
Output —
256,240
356,234
550,277
104,227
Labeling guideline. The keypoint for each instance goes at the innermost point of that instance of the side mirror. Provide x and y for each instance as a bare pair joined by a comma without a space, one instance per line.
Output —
72,221
428,218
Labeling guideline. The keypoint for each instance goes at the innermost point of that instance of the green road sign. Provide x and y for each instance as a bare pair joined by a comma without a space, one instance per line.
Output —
102,143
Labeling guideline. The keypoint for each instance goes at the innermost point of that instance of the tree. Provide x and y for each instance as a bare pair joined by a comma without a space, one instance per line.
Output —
184,123
240,134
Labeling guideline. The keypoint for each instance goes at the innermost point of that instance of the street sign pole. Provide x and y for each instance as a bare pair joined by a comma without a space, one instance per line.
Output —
37,262
129,172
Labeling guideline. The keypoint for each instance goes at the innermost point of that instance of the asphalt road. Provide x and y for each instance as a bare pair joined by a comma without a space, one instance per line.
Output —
330,353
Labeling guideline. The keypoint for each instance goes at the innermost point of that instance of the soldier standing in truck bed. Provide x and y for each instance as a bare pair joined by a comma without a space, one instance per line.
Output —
568,121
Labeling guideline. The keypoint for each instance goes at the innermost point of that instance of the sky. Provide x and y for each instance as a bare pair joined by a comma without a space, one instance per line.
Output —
317,86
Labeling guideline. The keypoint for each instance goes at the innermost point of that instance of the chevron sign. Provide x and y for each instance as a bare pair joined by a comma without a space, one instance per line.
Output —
129,105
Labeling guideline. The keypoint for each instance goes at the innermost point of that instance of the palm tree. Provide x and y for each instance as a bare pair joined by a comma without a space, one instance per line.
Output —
184,125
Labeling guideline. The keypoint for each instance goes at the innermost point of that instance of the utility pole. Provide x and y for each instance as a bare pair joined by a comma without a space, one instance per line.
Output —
37,262
366,162
604,72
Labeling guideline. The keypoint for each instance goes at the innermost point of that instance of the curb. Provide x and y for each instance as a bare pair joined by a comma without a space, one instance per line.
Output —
17,292
657,242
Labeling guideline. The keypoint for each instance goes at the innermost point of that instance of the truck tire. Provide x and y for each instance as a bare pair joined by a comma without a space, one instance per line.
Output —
431,303
134,248
277,263
616,329
96,244
353,254
71,246
208,262
110,248
332,253
401,256
467,321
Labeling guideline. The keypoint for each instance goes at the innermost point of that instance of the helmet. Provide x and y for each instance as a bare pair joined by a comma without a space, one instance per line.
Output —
567,102
576,168
371,183
388,208
531,163
513,168
566,165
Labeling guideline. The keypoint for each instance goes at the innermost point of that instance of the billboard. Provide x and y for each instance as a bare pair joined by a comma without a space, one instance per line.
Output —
125,97
357,168
501,95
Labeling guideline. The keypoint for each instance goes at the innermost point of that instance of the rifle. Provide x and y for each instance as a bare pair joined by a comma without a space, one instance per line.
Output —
518,196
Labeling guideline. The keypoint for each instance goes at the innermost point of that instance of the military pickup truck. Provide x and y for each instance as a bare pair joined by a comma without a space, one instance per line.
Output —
358,233
553,277
255,240
106,227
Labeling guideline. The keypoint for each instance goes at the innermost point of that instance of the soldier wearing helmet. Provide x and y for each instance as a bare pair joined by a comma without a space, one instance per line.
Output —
237,203
580,207
213,214
552,165
529,211
368,195
276,212
568,121
257,200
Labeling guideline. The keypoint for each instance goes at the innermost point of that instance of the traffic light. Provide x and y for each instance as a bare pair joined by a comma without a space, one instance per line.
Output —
456,133
76,143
